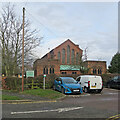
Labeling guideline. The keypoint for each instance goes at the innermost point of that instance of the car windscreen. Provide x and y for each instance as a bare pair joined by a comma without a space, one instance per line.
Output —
69,81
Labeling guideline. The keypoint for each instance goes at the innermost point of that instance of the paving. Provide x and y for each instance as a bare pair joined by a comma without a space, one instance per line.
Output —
104,105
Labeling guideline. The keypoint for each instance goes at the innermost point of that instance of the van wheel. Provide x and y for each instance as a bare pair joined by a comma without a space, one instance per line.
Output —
85,90
62,90
99,91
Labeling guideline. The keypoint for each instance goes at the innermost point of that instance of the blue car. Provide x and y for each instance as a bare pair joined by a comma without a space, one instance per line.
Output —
67,85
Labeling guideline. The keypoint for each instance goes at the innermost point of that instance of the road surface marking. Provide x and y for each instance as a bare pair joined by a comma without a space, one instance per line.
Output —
112,93
114,117
59,110
98,94
29,102
86,95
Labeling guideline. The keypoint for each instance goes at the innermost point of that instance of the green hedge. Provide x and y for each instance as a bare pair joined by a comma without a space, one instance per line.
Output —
15,83
49,80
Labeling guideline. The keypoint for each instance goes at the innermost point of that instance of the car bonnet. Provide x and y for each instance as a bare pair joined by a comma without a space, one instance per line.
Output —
72,85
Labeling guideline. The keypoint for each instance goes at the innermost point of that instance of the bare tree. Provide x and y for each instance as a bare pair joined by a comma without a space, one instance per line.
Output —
11,40
83,58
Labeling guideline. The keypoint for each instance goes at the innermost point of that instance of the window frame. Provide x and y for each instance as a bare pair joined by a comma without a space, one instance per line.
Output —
63,56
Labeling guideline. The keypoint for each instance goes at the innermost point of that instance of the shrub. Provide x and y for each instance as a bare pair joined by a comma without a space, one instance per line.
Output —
13,83
49,80
107,77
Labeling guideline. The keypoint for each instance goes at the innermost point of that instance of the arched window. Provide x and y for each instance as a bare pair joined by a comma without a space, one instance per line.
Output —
68,54
100,71
46,70
63,56
77,58
94,71
50,71
59,56
53,70
43,70
72,56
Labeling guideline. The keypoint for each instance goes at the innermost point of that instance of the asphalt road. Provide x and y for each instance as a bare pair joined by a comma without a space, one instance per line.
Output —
102,105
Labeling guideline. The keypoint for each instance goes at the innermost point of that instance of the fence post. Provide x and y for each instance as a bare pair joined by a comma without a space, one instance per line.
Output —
32,83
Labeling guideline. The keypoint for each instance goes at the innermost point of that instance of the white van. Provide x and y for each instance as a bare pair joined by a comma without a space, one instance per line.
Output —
90,83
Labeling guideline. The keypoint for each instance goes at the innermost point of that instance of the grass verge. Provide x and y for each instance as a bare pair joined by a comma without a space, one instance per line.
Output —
47,93
8,97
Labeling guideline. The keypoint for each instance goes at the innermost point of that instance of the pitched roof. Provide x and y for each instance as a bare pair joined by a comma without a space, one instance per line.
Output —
70,42
62,44
94,61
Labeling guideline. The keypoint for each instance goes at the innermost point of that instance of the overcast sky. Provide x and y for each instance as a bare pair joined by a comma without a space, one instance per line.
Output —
88,24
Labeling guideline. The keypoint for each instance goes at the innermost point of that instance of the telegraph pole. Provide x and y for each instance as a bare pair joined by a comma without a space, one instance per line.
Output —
23,51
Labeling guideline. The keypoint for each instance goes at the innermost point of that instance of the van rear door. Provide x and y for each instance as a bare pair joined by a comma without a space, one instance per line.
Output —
95,82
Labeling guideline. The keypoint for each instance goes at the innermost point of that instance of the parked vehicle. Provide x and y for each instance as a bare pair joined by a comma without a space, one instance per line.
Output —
67,85
90,83
114,82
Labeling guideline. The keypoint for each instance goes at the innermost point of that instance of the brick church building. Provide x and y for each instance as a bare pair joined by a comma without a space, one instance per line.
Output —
65,59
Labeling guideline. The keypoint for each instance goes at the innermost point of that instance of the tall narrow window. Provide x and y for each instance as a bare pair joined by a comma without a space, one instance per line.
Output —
59,56
72,56
77,58
94,71
46,70
53,70
68,54
50,71
63,56
43,70
100,71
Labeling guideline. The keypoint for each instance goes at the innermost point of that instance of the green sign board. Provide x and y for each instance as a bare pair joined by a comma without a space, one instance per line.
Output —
30,73
44,75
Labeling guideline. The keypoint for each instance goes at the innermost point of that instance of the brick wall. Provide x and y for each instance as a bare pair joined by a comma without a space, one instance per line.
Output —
96,65
64,46
46,63
51,59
